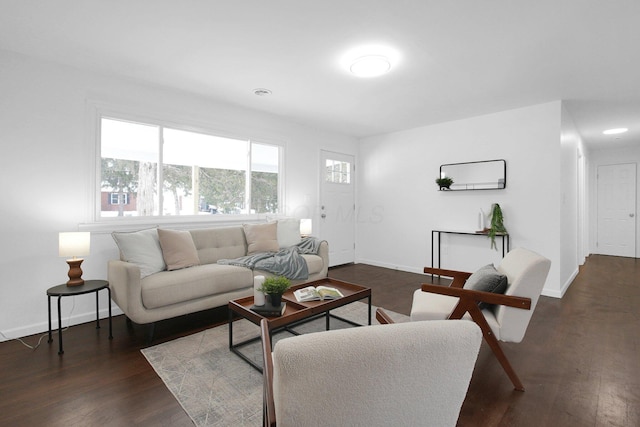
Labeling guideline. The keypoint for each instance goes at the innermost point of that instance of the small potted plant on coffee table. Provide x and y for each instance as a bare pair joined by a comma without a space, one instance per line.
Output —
274,287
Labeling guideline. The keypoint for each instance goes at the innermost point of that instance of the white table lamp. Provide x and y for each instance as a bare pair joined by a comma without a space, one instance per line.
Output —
305,227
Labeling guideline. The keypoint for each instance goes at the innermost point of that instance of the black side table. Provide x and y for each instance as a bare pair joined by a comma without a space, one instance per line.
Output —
67,291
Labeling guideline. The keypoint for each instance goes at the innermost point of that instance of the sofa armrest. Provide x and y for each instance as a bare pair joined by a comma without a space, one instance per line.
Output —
126,291
479,296
323,252
459,277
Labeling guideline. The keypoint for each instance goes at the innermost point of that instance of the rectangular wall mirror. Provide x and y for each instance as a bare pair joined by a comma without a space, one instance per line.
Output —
482,175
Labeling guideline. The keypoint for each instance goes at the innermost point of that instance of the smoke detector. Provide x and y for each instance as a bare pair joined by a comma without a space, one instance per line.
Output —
262,92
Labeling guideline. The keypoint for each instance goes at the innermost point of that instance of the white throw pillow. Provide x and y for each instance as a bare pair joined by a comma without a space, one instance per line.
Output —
288,232
141,248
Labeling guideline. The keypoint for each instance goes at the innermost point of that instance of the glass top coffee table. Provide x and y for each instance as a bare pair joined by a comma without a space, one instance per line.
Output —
296,312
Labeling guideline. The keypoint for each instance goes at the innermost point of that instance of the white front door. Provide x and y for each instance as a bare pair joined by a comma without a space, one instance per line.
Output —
617,210
337,206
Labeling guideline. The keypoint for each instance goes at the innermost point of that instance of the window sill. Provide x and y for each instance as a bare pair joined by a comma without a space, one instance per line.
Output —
109,225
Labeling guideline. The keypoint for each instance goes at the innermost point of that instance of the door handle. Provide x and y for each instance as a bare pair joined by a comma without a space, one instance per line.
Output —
323,216
632,215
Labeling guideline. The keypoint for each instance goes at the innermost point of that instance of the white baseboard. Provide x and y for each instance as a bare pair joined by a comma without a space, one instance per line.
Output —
569,281
555,293
43,327
404,268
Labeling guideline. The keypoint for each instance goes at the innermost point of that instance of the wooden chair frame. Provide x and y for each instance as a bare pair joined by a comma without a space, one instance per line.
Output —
269,410
468,303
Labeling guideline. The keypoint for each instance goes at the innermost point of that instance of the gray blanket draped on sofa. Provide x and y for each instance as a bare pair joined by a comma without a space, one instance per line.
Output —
287,262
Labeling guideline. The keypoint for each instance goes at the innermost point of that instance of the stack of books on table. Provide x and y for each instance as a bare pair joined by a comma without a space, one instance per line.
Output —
268,310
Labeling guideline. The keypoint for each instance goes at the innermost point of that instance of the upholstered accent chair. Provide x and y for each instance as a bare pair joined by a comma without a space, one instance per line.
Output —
502,317
413,373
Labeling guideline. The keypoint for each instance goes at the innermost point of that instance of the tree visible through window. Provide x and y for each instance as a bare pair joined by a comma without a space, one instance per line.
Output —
166,171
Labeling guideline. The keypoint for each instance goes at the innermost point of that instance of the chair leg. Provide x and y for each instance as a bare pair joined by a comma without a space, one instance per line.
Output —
502,358
382,317
490,338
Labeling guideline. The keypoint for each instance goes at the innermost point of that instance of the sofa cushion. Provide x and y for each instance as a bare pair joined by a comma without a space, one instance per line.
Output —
288,232
141,248
427,306
173,287
213,244
487,279
178,249
261,237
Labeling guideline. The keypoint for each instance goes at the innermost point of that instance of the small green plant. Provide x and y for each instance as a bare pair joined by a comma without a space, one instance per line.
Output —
275,285
497,224
444,182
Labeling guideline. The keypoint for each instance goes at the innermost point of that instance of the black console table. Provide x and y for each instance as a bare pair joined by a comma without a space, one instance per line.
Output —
505,241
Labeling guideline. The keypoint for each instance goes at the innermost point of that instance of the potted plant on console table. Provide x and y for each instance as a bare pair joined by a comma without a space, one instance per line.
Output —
444,183
275,287
497,224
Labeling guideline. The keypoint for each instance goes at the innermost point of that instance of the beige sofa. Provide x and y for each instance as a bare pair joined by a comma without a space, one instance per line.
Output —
187,277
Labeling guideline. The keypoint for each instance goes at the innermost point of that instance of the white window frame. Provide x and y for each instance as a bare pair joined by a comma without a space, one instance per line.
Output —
100,111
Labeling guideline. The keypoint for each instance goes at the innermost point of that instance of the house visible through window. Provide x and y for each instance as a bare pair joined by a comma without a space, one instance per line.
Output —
119,198
164,171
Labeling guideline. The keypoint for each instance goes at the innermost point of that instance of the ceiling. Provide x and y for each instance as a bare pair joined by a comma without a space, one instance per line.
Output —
457,59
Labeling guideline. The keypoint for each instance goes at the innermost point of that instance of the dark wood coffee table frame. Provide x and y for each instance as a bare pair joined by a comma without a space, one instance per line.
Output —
296,313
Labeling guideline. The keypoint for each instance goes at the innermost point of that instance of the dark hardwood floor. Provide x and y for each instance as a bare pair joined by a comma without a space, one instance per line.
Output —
579,361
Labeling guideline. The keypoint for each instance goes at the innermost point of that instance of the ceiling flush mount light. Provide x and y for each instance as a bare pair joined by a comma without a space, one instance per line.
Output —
370,60
262,92
615,131
370,66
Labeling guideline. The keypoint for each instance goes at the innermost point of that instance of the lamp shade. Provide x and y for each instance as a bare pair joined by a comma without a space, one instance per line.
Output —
74,244
305,227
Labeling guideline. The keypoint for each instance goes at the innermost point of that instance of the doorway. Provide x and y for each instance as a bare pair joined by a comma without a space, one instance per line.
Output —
337,206
616,222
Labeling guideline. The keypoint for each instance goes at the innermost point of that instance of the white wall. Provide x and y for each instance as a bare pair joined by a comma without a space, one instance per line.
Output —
47,163
610,156
399,203
47,137
571,203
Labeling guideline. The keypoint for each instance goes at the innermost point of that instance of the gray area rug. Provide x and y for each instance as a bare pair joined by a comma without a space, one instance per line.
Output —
217,388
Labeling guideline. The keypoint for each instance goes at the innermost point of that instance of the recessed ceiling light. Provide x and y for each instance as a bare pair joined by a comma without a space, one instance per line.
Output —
370,66
262,92
615,131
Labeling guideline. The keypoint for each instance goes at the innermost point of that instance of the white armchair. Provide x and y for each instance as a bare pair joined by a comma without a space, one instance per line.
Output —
526,273
413,373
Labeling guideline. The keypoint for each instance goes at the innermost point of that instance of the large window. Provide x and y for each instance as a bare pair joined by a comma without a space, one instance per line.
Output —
151,170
